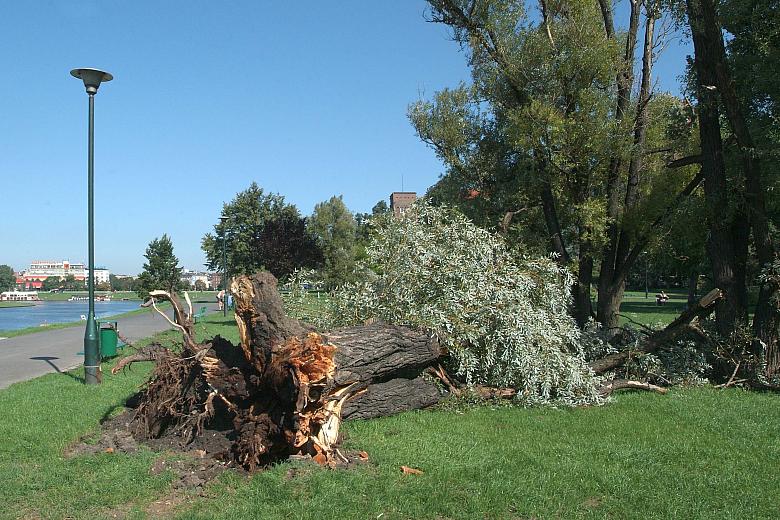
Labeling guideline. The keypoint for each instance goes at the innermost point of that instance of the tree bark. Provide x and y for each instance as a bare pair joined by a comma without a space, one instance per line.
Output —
723,251
610,288
766,321
693,282
285,388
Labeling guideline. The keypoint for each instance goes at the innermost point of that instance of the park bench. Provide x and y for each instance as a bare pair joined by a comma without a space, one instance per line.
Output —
198,315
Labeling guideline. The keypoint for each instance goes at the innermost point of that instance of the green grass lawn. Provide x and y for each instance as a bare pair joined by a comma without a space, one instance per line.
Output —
645,310
696,453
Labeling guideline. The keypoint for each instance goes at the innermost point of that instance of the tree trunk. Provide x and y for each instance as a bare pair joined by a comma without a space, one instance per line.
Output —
583,307
721,246
286,388
615,258
693,282
766,321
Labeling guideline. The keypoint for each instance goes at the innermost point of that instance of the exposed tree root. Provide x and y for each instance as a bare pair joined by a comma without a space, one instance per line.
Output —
286,388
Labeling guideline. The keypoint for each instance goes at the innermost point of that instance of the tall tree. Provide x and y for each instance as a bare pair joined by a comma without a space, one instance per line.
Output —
288,245
7,278
335,230
730,235
260,231
161,270
380,208
548,131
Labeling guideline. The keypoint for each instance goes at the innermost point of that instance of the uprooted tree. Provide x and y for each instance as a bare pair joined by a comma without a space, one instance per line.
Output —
285,390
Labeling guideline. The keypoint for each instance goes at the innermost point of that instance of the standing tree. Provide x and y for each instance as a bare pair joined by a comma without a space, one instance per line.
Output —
161,271
52,282
334,227
548,131
260,231
7,278
736,203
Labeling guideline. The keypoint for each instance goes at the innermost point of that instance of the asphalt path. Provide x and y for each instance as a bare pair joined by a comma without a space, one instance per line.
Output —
32,355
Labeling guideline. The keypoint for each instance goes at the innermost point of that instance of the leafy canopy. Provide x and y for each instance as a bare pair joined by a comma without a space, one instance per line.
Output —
7,278
504,319
335,229
260,231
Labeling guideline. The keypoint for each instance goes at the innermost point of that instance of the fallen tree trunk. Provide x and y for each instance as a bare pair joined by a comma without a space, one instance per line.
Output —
284,391
680,326
286,388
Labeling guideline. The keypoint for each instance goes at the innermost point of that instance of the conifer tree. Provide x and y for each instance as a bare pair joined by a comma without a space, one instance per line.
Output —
161,271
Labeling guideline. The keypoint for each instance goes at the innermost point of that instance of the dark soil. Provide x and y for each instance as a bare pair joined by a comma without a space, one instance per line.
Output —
193,465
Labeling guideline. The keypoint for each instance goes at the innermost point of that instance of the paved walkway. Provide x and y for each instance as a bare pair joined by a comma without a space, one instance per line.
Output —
32,355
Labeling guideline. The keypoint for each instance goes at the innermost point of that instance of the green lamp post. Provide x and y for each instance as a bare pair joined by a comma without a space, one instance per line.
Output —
223,220
92,79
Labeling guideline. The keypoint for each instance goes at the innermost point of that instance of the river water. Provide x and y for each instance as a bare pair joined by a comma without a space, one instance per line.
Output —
47,313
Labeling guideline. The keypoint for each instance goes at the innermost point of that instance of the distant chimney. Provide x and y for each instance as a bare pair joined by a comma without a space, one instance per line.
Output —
400,201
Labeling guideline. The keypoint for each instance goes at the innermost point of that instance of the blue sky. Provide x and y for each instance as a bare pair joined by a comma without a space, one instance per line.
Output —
307,98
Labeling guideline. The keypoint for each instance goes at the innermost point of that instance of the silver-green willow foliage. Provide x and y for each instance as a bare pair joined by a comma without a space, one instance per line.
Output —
503,318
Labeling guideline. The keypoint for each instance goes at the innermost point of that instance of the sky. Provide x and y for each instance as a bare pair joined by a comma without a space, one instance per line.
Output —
308,99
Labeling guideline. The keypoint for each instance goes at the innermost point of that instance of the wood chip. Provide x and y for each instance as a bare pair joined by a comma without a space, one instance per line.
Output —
109,450
363,455
320,459
410,471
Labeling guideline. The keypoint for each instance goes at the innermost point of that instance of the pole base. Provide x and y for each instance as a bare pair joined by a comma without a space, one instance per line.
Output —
92,373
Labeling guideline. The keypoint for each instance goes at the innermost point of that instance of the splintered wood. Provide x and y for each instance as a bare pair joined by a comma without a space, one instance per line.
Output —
286,388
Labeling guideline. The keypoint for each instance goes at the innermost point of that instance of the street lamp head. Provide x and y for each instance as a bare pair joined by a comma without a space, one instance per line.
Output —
91,78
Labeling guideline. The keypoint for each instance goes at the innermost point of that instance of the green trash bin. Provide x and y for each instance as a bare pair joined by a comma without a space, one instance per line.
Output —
108,338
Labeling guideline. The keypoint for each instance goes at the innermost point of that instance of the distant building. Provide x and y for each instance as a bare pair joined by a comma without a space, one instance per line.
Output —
191,277
16,296
400,201
215,280
34,276
102,275
39,270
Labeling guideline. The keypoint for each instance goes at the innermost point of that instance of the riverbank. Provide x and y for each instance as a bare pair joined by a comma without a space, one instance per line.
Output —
57,326
8,305
195,296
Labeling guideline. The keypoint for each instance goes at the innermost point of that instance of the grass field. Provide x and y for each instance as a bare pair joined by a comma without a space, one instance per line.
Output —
637,308
696,453
62,296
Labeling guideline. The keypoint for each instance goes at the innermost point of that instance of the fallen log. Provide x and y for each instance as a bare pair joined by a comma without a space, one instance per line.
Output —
608,387
678,327
286,388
